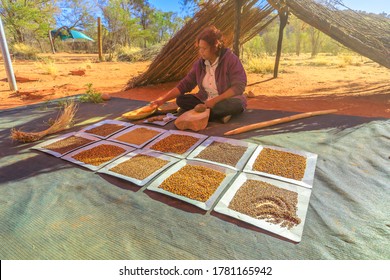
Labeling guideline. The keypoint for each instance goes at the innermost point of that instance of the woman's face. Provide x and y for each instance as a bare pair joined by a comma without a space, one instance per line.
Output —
205,51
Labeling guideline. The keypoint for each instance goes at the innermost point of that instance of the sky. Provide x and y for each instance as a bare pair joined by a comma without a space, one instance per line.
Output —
373,6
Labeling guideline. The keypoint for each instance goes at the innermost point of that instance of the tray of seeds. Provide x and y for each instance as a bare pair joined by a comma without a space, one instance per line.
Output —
223,151
66,143
139,166
176,143
98,154
106,128
270,204
137,136
195,182
296,167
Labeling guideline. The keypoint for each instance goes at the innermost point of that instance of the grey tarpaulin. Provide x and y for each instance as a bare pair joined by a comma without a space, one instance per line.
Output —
52,209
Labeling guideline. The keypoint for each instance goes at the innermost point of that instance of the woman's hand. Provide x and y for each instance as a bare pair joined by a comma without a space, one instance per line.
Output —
210,103
173,93
157,103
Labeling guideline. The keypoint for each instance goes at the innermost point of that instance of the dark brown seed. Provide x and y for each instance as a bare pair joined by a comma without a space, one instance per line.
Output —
99,154
105,129
175,143
67,144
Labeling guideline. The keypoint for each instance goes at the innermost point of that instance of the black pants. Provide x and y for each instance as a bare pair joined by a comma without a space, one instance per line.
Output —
230,106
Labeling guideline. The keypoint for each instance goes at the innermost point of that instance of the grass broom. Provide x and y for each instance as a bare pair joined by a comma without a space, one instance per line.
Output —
62,122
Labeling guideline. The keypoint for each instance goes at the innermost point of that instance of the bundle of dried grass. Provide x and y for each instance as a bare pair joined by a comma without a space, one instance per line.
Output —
61,123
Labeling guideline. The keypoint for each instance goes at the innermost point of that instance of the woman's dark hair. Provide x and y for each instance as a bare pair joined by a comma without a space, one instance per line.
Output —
212,36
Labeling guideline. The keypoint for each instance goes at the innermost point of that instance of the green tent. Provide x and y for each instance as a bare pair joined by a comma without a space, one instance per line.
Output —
65,34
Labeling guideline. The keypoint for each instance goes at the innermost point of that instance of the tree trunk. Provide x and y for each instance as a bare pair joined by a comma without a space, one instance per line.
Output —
237,28
283,15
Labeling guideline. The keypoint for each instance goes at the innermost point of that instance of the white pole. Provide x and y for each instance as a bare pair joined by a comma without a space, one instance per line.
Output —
7,59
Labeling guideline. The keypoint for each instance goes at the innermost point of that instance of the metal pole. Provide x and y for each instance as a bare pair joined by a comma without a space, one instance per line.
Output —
7,59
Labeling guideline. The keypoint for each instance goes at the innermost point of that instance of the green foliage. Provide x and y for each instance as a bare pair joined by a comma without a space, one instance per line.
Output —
23,51
91,95
27,20
298,38
76,14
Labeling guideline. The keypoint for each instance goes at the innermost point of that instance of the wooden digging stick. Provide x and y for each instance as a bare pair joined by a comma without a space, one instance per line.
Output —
277,121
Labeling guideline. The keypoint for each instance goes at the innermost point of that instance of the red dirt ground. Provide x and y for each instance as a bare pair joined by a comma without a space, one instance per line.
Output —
361,90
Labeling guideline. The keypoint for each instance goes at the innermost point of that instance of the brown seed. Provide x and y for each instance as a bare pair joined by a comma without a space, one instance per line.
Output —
138,136
223,153
262,200
105,129
156,118
99,154
139,166
193,181
175,143
280,163
67,144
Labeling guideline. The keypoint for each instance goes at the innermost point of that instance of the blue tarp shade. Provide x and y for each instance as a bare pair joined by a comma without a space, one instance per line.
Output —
70,34
51,209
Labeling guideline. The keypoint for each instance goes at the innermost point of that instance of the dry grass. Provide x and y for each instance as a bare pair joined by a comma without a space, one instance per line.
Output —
260,65
61,123
48,67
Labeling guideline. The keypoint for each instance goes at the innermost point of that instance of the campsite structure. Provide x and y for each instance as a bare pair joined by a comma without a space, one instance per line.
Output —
363,33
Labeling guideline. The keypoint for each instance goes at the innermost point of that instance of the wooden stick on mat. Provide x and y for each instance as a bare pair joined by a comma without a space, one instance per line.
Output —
277,121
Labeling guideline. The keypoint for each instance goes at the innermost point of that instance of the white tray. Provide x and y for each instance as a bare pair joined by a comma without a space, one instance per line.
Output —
113,138
41,146
230,174
125,124
241,162
308,177
106,169
294,234
201,138
69,157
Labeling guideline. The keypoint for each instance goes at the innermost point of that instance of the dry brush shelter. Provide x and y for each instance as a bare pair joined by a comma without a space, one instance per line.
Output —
365,34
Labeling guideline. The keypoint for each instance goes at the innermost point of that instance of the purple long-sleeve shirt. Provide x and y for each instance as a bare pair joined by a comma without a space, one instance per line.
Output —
229,74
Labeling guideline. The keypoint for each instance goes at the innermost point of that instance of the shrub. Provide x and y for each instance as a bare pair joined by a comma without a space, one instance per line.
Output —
260,66
23,51
91,95
127,53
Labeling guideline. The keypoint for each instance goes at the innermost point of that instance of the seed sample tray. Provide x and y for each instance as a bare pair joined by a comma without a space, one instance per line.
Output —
137,136
98,154
106,128
139,167
176,143
296,167
195,182
65,143
280,207
223,151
